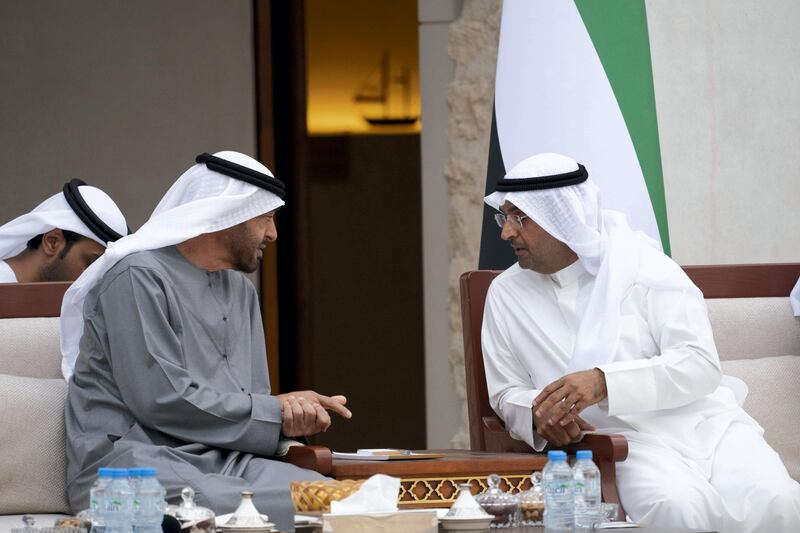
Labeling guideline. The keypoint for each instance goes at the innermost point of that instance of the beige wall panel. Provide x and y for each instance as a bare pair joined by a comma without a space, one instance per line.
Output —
121,94
728,101
458,53
443,412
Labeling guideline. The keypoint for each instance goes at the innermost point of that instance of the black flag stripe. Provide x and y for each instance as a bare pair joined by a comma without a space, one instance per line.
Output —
496,254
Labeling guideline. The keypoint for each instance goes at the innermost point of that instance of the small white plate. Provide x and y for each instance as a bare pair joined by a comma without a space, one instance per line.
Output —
466,524
304,519
222,519
616,525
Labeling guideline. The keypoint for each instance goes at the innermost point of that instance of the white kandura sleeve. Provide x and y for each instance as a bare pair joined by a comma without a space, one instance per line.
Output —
511,392
794,298
687,368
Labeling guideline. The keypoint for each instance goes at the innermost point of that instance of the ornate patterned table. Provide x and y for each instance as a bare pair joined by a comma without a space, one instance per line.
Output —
427,483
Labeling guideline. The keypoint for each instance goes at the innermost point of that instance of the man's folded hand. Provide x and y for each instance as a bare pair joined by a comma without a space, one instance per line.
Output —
306,412
557,434
564,399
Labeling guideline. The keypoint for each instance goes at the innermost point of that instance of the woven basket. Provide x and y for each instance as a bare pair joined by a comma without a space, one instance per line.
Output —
310,496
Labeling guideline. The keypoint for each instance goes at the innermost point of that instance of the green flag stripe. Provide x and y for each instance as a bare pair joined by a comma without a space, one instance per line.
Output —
618,30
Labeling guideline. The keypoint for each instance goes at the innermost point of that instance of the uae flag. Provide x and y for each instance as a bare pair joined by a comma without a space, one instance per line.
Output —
574,77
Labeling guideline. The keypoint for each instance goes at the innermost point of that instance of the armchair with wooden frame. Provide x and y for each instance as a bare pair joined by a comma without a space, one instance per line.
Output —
744,301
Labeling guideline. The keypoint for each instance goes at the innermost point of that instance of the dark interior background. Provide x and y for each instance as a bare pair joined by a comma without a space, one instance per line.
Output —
349,258
366,271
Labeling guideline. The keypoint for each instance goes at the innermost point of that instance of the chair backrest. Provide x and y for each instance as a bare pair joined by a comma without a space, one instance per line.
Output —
26,300
749,309
29,336
716,281
474,285
32,393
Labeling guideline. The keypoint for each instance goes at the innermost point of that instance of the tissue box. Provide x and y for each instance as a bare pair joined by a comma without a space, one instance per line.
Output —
417,521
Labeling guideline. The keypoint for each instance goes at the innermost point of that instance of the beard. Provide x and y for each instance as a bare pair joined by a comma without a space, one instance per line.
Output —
56,270
246,265
243,248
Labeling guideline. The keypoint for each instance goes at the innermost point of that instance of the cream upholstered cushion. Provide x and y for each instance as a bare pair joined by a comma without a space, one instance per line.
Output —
746,328
774,401
30,347
752,337
33,464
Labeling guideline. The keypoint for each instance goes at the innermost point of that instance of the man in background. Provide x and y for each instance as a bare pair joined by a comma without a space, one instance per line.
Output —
61,237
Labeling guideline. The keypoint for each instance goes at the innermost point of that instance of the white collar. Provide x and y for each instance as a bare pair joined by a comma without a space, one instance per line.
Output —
568,275
7,274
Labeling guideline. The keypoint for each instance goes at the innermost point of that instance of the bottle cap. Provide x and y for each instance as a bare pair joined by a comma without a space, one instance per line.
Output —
104,471
556,455
119,473
148,472
584,454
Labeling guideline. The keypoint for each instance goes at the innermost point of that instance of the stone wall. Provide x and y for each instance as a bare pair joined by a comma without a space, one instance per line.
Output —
472,46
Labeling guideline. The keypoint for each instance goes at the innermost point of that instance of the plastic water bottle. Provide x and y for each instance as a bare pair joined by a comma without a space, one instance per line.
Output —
117,508
96,499
586,483
558,496
150,512
135,480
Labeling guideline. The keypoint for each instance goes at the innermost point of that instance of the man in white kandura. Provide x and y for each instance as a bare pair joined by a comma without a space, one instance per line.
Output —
596,328
61,237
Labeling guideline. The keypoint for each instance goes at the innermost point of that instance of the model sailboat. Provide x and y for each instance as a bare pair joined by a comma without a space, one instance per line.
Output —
370,92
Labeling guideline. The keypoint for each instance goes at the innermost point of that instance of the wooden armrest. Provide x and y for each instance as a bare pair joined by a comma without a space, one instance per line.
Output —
498,440
607,450
317,458
612,447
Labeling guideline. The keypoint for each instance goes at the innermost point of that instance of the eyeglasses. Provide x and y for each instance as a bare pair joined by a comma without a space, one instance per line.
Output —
516,220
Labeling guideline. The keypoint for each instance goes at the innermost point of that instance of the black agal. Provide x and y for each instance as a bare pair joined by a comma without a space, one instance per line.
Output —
85,213
543,182
242,173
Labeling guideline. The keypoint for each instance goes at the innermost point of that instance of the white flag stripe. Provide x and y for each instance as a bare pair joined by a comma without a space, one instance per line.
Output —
552,95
